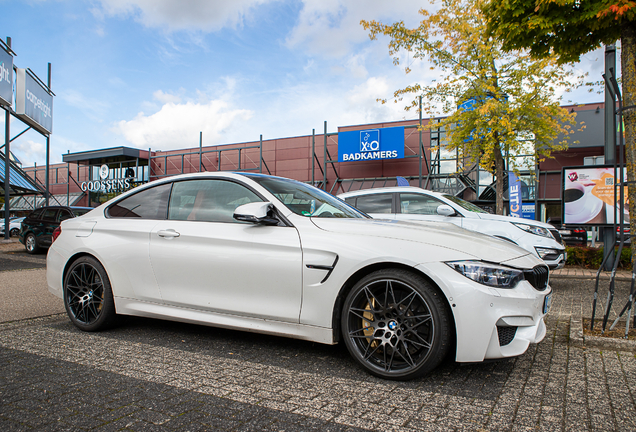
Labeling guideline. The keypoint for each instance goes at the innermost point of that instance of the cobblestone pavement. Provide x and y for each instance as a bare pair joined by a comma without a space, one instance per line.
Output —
157,375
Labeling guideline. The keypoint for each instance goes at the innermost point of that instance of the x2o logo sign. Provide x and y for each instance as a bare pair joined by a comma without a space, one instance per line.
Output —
371,144
370,141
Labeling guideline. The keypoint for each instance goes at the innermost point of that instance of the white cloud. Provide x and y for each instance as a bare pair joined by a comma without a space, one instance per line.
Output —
177,125
332,28
203,15
29,152
166,97
94,108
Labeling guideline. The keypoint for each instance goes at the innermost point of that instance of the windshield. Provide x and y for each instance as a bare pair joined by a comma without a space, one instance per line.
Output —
306,200
464,204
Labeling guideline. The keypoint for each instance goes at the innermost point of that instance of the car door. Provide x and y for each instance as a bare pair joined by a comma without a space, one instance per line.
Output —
415,206
45,226
206,260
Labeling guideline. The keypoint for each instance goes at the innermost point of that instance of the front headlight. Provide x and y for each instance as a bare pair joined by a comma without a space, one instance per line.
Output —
491,275
533,229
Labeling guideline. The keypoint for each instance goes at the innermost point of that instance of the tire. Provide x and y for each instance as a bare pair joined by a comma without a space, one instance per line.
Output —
396,325
88,297
14,232
31,244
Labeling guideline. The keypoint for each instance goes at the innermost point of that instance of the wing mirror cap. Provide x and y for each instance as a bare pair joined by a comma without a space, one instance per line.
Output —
445,210
256,213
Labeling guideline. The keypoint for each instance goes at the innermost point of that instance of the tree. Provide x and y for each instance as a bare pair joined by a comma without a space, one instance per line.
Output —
512,95
568,29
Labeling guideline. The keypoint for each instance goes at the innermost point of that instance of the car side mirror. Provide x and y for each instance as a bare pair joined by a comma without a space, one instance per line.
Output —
256,213
445,210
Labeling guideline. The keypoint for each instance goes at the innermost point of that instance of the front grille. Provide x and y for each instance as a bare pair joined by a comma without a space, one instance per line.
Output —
506,335
557,236
538,277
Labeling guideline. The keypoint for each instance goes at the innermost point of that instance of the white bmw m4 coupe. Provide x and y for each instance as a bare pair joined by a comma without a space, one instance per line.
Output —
277,256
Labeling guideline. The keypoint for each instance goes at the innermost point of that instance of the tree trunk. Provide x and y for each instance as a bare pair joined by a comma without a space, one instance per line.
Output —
500,175
628,70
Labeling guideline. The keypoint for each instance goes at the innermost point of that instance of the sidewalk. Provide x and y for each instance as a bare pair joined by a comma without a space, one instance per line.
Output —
572,272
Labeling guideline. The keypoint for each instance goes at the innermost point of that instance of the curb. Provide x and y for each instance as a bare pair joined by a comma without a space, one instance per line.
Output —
578,339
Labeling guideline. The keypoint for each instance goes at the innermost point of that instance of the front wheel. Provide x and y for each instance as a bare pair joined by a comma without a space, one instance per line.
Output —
88,297
396,325
14,232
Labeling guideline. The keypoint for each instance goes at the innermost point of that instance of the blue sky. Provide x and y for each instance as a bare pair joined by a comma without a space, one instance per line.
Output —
153,73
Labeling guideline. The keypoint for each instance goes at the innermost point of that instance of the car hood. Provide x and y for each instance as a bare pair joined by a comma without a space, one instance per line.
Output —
500,218
441,234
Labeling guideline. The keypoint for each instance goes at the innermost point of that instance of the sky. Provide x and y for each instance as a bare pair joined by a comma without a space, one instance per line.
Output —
155,73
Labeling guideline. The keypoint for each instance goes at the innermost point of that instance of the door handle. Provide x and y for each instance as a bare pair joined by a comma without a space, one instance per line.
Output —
168,234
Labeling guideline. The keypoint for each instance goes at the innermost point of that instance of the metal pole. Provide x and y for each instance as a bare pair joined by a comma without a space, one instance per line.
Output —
200,150
313,156
420,145
324,183
260,156
609,233
48,147
7,162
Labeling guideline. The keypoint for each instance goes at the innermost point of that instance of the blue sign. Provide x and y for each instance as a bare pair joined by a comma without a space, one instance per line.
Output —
371,144
6,77
514,194
527,211
34,103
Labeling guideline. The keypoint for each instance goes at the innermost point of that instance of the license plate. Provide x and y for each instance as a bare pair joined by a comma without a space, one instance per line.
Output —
547,302
565,232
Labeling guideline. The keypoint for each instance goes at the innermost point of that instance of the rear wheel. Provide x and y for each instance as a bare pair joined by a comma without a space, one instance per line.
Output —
396,325
31,244
88,297
14,232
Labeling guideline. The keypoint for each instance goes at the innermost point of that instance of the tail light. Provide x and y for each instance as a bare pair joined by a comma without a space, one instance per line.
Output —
56,233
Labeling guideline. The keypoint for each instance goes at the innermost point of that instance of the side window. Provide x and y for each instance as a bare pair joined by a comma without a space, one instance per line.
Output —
208,200
63,215
150,203
419,204
49,215
351,201
37,214
375,203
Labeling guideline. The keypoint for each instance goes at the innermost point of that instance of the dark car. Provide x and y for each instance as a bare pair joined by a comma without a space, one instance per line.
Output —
37,228
571,235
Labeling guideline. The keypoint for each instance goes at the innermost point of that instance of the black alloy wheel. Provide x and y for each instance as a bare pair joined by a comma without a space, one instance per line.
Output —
88,297
14,232
396,325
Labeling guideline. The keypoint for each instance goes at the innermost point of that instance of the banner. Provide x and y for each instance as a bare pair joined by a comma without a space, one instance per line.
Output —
514,194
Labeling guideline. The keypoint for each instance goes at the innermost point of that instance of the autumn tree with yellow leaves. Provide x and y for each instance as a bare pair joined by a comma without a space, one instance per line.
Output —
513,96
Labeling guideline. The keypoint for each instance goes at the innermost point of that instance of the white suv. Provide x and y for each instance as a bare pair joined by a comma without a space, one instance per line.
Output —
412,203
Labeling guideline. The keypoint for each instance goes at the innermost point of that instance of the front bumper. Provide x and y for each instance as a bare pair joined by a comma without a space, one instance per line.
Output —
490,323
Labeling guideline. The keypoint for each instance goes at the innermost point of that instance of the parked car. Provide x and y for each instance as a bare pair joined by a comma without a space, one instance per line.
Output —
571,235
412,203
14,226
37,228
277,256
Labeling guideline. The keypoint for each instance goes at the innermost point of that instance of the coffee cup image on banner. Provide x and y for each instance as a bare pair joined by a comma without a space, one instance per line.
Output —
581,205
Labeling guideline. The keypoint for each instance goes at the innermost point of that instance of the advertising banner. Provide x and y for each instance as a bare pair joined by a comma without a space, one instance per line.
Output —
6,78
34,104
371,144
514,193
588,196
